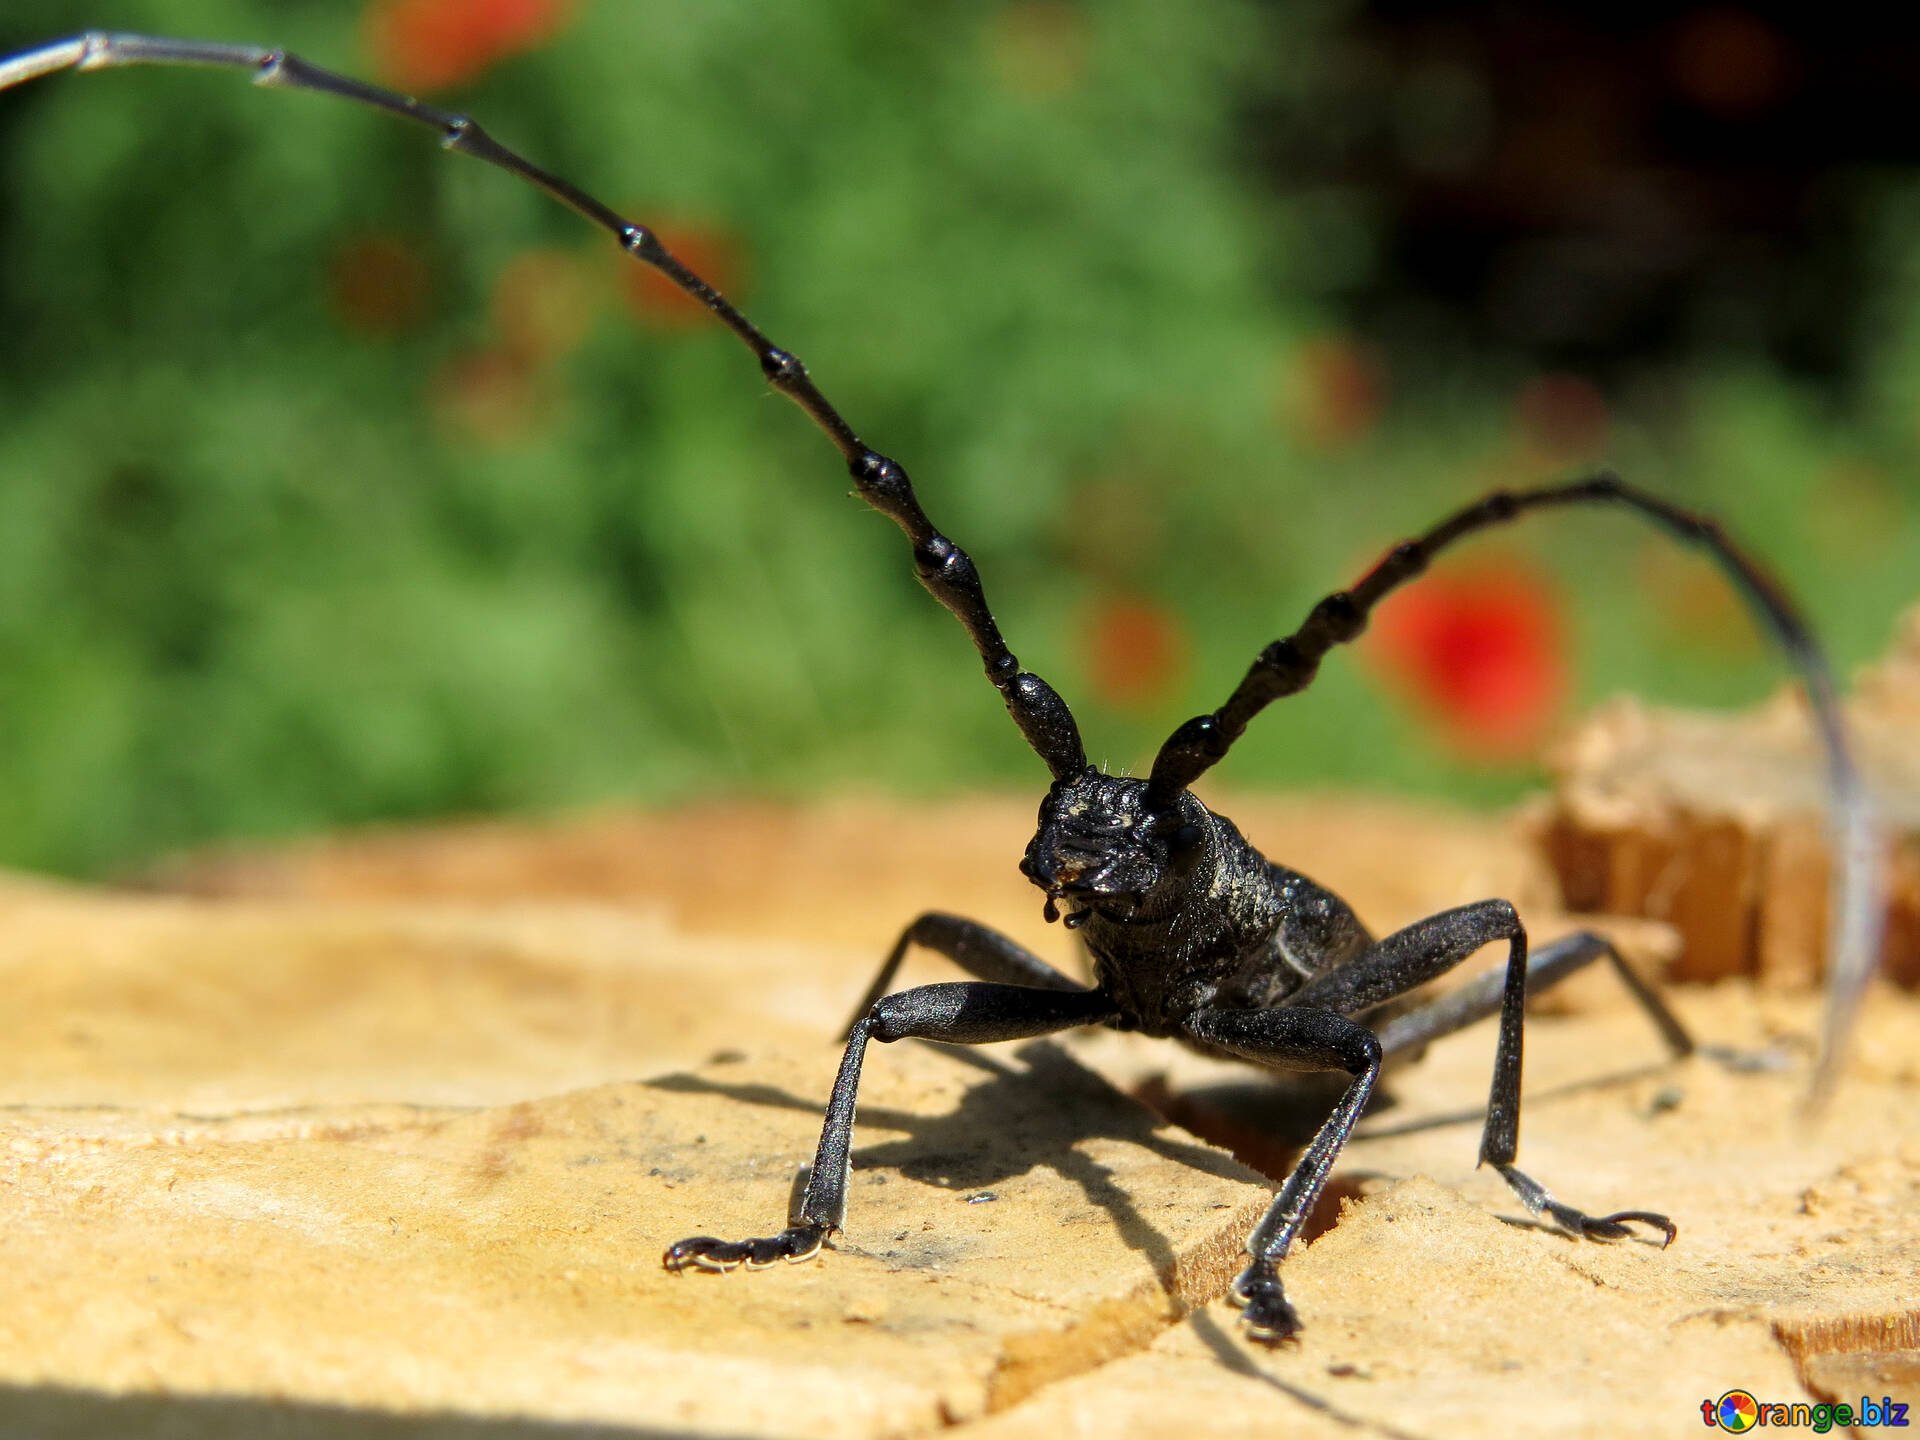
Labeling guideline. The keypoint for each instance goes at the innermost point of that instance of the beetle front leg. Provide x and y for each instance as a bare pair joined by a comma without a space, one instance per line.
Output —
962,1012
982,952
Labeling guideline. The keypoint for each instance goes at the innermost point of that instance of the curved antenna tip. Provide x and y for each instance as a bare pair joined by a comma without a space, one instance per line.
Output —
1856,926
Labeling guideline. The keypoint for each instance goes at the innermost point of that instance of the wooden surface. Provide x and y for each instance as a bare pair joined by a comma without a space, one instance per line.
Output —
384,1138
1716,824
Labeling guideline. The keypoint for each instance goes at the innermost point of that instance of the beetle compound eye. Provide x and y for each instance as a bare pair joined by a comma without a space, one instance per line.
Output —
1185,848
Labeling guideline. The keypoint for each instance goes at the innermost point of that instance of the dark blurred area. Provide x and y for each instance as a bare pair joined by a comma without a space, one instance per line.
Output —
344,481
1609,187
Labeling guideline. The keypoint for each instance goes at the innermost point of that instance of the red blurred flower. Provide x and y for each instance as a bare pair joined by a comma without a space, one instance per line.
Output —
1138,652
709,251
1482,651
431,44
379,284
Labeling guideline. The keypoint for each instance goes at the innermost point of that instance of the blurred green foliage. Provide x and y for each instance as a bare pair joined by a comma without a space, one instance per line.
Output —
275,558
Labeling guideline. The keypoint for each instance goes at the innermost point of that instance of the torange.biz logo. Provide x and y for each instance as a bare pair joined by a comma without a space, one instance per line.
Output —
1737,1411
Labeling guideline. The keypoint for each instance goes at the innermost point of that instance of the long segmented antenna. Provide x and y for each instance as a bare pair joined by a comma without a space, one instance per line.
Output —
947,571
1287,666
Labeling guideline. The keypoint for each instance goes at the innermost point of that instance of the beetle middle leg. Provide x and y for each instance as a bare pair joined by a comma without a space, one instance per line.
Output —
959,1012
1312,1031
1430,947
1546,967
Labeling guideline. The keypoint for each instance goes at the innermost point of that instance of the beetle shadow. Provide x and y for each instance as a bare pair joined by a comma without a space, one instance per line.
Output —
1609,1080
962,1150
52,1411
1265,1120
1234,1356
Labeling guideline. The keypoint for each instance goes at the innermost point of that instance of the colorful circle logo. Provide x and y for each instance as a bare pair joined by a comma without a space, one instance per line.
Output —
1737,1411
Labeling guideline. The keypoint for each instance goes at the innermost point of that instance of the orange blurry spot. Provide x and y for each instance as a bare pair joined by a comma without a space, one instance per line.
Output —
1039,47
1139,653
431,44
489,396
1857,512
1727,60
543,305
1114,526
1697,606
379,285
1482,652
1333,392
1563,417
709,251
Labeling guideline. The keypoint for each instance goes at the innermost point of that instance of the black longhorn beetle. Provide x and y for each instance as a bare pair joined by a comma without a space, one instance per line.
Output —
1193,934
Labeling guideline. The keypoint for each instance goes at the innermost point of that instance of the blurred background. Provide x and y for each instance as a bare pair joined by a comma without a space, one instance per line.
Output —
344,481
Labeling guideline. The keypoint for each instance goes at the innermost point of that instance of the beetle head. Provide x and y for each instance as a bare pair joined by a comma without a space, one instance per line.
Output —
1104,847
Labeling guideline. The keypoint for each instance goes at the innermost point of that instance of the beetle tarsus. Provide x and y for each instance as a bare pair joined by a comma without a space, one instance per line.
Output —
706,1252
1265,1311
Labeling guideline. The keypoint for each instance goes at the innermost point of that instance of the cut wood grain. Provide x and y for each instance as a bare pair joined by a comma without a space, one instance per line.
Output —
332,1166
1715,824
